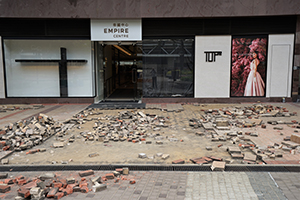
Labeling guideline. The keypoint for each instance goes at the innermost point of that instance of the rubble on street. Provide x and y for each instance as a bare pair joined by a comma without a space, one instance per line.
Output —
55,185
232,130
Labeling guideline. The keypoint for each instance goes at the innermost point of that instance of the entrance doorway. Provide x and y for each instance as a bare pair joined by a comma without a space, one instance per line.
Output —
119,71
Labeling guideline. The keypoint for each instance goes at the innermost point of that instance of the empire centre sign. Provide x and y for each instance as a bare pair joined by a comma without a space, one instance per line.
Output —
116,30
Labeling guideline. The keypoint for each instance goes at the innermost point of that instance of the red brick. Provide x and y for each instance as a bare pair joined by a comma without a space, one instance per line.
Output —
67,191
207,159
9,181
86,173
6,148
21,181
52,192
4,188
29,185
2,144
132,181
64,182
84,189
120,170
109,176
57,184
180,161
143,139
135,141
83,183
59,195
215,158
71,186
23,193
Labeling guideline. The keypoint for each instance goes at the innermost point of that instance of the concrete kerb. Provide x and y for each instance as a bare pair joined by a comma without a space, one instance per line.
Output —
149,167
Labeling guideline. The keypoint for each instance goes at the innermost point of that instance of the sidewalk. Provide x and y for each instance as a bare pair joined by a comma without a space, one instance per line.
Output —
152,185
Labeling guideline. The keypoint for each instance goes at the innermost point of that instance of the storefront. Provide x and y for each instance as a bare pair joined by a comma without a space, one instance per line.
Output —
149,60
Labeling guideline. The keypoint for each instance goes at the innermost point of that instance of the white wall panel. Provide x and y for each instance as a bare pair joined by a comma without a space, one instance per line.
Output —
42,79
212,79
280,65
2,84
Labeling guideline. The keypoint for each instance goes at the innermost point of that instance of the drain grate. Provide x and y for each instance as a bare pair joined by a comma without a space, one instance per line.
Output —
293,168
237,168
266,168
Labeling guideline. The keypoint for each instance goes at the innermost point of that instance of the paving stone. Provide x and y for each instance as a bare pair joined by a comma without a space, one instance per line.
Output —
99,187
218,166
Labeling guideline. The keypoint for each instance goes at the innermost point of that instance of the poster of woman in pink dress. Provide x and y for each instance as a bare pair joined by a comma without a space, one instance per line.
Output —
248,69
255,85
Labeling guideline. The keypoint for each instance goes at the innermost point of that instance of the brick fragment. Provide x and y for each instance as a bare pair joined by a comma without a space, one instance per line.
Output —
76,189
180,161
120,170
67,191
59,195
84,189
3,175
57,185
70,180
99,187
132,181
86,173
9,181
4,188
52,192
109,176
23,193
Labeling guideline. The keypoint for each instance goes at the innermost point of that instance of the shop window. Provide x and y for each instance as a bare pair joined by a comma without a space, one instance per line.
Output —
168,67
32,68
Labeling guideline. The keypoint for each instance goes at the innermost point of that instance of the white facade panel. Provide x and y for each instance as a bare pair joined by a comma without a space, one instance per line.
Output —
2,84
212,79
280,65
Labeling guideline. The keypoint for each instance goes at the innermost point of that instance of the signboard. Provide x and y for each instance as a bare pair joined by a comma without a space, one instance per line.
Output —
116,30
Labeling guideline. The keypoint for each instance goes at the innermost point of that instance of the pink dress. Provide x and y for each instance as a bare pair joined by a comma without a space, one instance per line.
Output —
255,86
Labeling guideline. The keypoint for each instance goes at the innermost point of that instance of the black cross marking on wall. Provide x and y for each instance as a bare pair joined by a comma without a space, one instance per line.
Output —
63,72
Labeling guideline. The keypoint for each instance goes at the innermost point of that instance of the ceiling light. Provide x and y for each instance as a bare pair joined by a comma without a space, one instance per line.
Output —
123,50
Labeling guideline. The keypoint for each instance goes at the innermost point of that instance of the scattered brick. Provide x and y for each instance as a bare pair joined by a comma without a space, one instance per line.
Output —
86,173
23,193
180,161
52,192
59,195
84,189
109,176
4,188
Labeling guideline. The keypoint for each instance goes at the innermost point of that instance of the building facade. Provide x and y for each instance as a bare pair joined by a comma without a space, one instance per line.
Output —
75,51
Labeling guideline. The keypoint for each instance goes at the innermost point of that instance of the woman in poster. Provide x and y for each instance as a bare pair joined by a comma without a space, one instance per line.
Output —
255,85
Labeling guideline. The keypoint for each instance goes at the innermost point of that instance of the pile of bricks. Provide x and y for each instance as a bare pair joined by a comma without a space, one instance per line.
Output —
205,159
126,126
26,134
55,186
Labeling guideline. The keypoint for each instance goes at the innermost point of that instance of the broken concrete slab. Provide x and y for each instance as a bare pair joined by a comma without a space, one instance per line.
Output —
218,166
249,156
